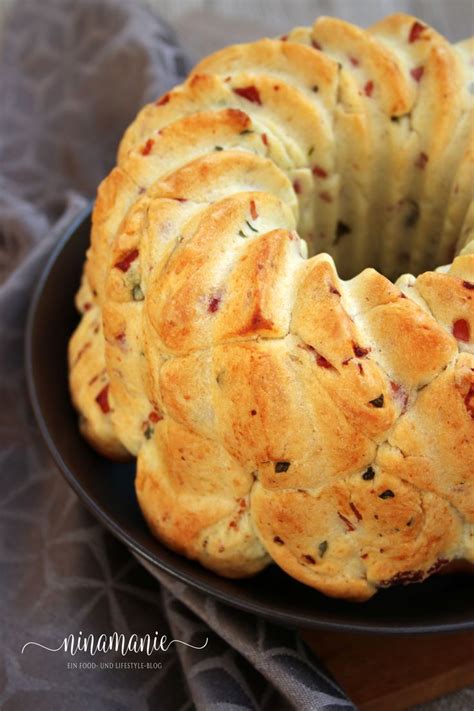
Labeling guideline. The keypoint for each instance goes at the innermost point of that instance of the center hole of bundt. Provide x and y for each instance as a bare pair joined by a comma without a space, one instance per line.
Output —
391,242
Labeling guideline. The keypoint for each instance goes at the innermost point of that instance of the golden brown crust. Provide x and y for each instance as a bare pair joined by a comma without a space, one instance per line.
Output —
279,412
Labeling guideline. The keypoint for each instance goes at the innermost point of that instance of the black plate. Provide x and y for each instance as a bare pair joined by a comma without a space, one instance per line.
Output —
443,603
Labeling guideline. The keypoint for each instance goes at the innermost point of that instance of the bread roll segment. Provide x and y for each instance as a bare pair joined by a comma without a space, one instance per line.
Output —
304,411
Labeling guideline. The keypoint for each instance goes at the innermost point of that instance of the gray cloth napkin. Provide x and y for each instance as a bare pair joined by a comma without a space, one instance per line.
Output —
73,74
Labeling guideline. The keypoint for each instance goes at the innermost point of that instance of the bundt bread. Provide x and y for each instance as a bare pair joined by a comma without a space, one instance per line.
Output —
281,410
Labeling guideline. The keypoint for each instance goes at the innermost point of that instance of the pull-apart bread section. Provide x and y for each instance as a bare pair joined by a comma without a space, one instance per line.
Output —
281,409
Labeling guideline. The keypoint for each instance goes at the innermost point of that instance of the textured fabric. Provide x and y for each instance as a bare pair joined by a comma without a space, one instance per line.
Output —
204,26
72,77
278,655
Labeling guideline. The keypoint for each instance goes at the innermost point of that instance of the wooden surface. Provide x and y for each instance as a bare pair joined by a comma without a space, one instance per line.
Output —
392,673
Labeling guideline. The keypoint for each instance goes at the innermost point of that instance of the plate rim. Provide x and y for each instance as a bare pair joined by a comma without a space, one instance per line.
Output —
280,617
